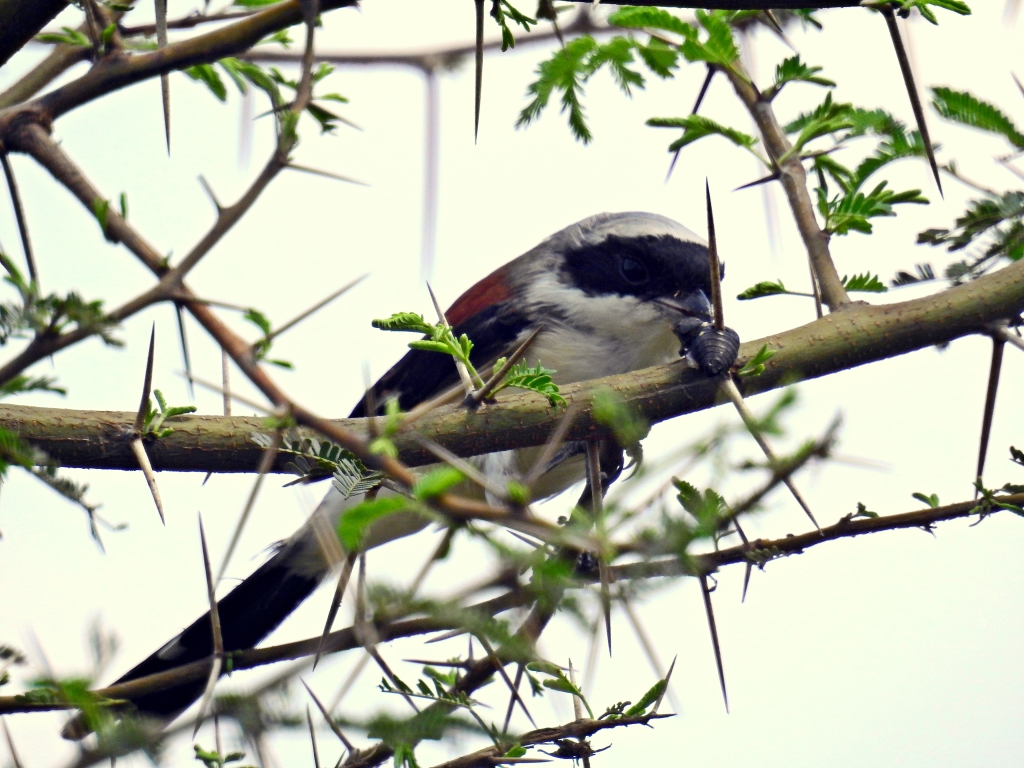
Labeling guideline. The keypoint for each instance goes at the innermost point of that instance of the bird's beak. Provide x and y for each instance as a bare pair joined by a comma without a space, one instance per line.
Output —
694,304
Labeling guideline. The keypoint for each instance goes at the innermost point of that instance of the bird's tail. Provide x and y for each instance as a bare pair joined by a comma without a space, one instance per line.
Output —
248,613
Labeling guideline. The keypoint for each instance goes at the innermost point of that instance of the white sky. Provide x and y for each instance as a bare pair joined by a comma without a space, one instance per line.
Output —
899,648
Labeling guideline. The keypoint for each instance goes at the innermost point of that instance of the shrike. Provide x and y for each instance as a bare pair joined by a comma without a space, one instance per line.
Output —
613,293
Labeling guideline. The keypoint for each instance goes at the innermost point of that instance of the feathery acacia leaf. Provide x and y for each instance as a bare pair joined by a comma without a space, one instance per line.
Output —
966,108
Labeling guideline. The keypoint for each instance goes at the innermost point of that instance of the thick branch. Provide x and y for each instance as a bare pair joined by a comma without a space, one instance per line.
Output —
862,334
794,181
116,72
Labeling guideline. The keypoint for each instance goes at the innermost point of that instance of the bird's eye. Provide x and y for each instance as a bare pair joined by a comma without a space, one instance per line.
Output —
633,271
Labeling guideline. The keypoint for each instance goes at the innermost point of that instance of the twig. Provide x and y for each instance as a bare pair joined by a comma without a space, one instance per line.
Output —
316,307
266,462
478,80
328,719
312,738
165,84
467,381
332,612
713,626
19,215
794,181
140,417
10,746
908,78
597,511
998,344
218,639
728,388
478,396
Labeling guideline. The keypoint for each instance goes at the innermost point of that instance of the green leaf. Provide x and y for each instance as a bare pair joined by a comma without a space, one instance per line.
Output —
565,71
923,6
966,108
436,482
426,345
69,37
650,18
762,289
793,70
100,209
718,48
863,511
405,321
652,695
537,379
562,684
867,283
697,127
503,9
608,408
123,201
999,220
206,74
354,522
932,500
755,365
258,319
706,508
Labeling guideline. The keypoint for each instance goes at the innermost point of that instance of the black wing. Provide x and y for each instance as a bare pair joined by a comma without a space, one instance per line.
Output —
420,375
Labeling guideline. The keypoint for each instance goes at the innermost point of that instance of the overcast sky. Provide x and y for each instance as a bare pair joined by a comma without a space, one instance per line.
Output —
900,648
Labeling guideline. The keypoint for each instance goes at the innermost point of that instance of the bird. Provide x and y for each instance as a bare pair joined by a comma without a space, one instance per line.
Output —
613,293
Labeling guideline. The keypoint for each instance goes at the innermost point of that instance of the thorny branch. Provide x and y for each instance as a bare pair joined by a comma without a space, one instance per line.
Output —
759,552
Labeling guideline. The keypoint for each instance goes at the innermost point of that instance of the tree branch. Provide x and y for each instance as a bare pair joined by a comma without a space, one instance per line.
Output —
862,334
794,181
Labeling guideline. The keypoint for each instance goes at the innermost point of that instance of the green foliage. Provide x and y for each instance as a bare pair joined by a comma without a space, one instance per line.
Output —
213,759
964,107
206,74
153,422
270,81
436,482
905,6
866,283
765,288
655,692
67,36
922,273
608,408
997,219
261,347
649,18
536,379
501,12
439,338
571,66
707,508
932,500
696,127
792,70
755,365
557,681
989,501
52,315
718,46
354,522
862,511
